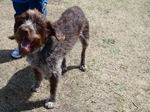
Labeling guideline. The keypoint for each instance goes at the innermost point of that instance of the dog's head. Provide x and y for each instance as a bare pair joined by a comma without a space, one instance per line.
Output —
31,30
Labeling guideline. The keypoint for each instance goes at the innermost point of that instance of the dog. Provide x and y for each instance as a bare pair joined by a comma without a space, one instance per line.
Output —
46,44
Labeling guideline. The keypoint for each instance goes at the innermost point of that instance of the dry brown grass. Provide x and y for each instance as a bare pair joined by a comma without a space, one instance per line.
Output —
118,61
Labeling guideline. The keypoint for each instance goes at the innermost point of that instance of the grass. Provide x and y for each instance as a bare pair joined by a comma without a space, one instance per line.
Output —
109,41
118,61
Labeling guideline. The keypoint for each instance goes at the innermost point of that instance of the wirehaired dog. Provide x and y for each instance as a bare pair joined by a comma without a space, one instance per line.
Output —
46,44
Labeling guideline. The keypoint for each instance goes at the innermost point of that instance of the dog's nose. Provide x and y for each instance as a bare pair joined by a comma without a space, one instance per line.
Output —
25,31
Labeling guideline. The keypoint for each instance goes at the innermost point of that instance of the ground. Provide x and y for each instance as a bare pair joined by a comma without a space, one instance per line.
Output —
118,61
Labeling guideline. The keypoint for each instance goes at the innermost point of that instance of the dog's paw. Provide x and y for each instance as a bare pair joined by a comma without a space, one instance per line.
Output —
49,105
35,88
82,68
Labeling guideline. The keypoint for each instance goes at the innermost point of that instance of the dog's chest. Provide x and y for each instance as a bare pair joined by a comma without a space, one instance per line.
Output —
46,66
33,60
37,63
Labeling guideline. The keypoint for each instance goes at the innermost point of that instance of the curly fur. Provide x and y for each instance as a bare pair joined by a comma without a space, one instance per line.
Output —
47,44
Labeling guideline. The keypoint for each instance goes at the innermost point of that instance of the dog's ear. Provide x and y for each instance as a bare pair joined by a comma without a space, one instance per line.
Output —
11,37
18,21
52,31
60,36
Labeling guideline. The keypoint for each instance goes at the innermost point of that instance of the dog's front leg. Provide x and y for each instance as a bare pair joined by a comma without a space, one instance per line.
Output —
53,87
38,79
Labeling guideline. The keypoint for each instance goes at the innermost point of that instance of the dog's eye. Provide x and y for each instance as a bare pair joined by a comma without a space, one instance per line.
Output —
38,27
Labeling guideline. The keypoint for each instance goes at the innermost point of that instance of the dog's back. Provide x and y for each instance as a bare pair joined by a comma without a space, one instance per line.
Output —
71,24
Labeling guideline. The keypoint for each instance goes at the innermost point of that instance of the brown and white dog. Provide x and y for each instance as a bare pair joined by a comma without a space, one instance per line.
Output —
46,44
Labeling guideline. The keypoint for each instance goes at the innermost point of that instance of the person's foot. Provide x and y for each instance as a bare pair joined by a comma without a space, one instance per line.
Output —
15,54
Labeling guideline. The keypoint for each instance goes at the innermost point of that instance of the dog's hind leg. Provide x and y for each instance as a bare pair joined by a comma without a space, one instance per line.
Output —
84,38
63,66
38,79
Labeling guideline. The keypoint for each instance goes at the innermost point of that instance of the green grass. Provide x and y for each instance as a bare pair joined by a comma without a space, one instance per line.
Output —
109,41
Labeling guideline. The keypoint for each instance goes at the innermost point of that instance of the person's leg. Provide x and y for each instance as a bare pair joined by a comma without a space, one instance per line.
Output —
40,5
19,9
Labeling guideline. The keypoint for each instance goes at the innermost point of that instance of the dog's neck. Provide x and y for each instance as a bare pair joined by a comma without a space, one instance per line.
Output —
38,49
48,51
30,56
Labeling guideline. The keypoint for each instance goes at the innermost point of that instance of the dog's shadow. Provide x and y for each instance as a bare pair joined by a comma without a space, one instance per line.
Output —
5,56
14,96
72,67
